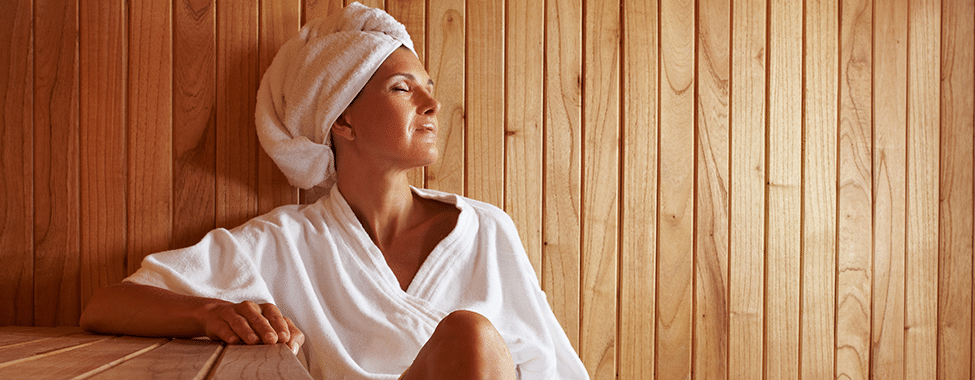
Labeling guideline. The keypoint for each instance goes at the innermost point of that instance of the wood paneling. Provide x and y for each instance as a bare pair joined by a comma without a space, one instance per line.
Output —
561,228
713,157
150,140
746,257
523,123
56,208
923,84
784,184
638,213
956,195
890,188
706,188
103,68
485,102
16,136
676,192
819,191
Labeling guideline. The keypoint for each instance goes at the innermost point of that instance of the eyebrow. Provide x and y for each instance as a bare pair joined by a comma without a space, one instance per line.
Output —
410,77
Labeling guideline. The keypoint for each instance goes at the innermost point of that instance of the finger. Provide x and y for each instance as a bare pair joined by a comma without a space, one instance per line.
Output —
277,321
221,331
242,327
260,325
297,337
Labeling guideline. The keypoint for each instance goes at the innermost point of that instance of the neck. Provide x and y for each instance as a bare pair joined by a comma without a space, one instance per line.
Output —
383,202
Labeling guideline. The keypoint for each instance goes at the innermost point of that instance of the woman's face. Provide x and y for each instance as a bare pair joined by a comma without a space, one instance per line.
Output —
394,117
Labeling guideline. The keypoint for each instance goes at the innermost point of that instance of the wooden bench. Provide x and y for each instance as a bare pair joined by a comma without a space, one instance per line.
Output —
70,353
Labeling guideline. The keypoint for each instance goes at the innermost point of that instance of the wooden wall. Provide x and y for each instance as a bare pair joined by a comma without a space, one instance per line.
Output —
708,189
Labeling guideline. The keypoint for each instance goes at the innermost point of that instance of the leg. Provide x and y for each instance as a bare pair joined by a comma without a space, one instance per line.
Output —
465,345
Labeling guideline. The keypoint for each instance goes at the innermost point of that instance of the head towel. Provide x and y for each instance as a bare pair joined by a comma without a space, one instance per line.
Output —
313,79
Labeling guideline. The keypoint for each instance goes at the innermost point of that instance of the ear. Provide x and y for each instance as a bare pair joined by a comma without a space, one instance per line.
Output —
342,128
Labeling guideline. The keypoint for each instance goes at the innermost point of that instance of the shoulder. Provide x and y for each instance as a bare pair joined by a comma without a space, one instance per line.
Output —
486,214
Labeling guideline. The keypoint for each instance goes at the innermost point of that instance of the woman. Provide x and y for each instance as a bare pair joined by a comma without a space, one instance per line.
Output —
382,280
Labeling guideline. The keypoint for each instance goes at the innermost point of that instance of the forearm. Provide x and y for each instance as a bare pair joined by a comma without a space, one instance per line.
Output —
135,309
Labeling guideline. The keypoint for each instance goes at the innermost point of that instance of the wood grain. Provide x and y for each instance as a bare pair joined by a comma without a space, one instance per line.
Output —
676,192
56,156
83,361
279,22
638,232
320,8
237,79
18,353
921,282
485,139
819,190
177,359
259,362
524,117
711,332
784,198
747,217
103,60
16,139
890,188
600,180
194,119
956,194
149,138
446,65
561,250
855,230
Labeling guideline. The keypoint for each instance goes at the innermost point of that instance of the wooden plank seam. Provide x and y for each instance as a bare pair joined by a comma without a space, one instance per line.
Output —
50,353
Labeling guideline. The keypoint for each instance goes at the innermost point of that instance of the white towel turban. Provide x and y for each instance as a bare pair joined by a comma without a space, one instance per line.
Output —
313,79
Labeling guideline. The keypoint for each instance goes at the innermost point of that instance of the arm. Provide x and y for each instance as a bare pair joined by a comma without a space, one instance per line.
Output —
135,309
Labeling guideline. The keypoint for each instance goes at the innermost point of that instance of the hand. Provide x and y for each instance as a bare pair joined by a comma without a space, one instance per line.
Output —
250,323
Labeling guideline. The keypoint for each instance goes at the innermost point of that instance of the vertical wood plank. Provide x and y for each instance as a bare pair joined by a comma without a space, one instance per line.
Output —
279,22
150,140
194,88
103,140
236,136
524,102
783,202
921,282
711,252
320,8
485,101
676,193
956,198
819,191
561,250
638,252
854,257
446,64
748,175
16,141
600,179
890,187
381,4
413,15
56,208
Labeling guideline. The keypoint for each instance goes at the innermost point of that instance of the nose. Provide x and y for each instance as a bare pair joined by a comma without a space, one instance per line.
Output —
430,105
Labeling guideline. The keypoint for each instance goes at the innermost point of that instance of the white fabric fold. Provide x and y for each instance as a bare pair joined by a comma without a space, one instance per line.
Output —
313,79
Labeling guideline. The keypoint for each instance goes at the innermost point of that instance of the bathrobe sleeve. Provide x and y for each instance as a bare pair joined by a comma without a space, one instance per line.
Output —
225,264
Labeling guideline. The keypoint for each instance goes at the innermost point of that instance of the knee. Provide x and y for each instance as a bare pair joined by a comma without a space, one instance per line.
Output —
466,345
470,327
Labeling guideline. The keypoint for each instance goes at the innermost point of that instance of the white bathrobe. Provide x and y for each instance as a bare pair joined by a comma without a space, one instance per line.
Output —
318,265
